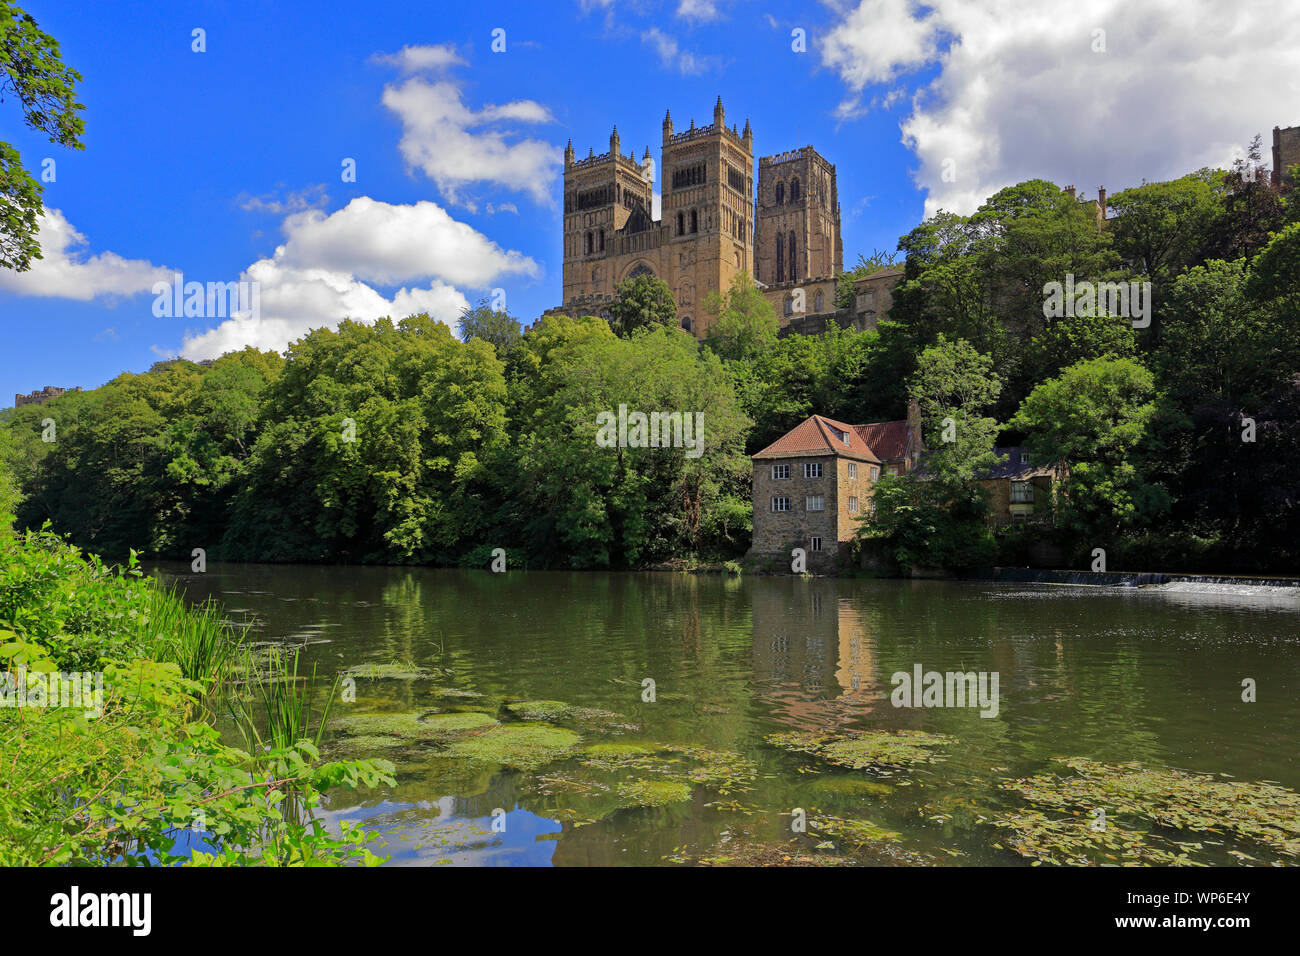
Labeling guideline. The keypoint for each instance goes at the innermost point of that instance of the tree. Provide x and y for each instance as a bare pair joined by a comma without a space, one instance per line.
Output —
1159,228
745,326
1251,208
935,517
642,302
497,327
865,267
1091,419
31,69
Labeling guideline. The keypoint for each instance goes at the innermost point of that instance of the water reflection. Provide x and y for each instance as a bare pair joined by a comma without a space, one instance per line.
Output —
1151,675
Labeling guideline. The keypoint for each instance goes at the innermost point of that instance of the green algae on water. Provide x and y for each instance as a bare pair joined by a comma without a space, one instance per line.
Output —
1137,802
415,725
523,748
866,749
652,793
396,670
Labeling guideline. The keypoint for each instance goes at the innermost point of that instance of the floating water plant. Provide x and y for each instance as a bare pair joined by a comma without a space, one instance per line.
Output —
396,670
416,725
539,709
558,710
653,793
524,748
866,749
1136,798
852,832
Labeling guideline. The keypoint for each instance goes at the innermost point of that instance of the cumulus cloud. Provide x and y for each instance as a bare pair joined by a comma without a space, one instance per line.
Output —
385,243
67,271
1018,89
323,272
457,146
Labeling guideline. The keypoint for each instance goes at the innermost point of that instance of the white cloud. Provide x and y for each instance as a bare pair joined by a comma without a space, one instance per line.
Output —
1020,93
457,146
312,197
321,274
698,10
411,59
385,243
673,57
67,272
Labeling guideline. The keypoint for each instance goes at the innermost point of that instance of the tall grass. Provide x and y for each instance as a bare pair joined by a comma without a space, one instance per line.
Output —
279,708
198,639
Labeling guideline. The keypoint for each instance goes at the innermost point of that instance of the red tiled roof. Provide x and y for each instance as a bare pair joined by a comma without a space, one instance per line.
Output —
886,439
817,436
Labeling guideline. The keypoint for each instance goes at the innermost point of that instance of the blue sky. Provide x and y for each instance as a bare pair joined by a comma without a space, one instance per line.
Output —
207,163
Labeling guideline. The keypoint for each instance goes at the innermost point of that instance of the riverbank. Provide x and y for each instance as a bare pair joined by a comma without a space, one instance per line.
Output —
139,771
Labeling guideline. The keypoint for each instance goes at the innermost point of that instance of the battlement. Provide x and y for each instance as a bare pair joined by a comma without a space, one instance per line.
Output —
788,156
41,396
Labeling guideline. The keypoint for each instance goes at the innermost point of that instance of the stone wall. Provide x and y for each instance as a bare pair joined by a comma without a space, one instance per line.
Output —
775,533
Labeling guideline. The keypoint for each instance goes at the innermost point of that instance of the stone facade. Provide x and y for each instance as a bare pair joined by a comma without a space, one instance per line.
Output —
1019,491
42,396
701,242
797,241
1286,151
777,532
709,231
851,459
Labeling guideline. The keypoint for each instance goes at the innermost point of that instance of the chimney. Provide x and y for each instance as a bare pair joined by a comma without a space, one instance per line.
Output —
1101,202
1069,191
913,414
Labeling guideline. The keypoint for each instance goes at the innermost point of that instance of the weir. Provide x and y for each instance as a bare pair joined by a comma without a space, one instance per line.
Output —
1131,579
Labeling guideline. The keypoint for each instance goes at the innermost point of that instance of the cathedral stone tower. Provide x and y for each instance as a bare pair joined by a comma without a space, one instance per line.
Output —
701,242
708,212
797,239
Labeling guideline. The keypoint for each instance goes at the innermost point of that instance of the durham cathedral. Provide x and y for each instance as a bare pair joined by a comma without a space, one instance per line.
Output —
713,225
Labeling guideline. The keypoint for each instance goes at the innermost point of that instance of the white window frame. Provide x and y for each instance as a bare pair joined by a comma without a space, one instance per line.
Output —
781,472
821,502
853,469
809,467
853,505
780,503
815,543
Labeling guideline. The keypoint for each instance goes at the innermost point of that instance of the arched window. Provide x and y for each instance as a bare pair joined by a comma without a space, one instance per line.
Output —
794,190
602,240
789,305
586,245
780,259
686,322
681,228
780,193
794,259
818,305
695,222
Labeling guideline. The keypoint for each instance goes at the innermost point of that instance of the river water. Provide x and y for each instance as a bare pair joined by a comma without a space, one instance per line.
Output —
1150,675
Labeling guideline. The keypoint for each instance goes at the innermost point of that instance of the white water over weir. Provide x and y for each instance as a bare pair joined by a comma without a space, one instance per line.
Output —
1188,583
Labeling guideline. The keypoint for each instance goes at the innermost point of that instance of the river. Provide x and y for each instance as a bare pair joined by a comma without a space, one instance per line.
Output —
1116,675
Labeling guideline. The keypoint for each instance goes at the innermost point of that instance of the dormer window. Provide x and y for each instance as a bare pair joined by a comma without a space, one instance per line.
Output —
842,436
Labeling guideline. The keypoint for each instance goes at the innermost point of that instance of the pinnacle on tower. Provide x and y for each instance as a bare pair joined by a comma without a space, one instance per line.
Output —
647,152
719,117
613,142
748,133
668,125
568,152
